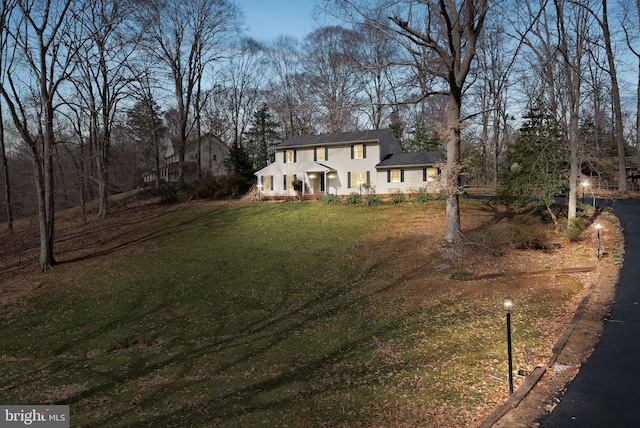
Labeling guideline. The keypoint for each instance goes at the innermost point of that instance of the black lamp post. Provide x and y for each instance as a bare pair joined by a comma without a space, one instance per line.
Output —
585,184
598,227
508,305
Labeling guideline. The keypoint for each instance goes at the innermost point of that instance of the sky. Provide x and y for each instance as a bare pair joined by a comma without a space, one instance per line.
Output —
268,19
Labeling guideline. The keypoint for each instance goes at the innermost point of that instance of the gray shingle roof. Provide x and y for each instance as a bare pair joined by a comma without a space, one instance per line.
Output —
384,136
409,159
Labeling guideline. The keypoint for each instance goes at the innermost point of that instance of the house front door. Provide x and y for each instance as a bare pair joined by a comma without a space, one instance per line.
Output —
317,183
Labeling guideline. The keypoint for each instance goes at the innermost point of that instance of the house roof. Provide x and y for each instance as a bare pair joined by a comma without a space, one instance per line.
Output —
191,143
384,137
409,159
266,170
316,167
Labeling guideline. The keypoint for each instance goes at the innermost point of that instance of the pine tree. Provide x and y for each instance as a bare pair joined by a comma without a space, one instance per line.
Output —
537,159
241,161
421,139
145,124
263,136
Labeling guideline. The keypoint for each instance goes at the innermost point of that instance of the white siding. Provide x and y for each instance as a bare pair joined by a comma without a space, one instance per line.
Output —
339,160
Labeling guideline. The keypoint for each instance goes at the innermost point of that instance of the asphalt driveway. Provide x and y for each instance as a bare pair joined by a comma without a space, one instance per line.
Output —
606,391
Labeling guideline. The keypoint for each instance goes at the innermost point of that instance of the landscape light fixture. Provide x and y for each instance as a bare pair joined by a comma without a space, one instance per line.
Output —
598,227
585,184
508,307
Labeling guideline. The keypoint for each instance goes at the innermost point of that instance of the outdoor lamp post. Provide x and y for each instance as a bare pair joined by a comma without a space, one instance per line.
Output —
598,227
330,177
508,305
585,184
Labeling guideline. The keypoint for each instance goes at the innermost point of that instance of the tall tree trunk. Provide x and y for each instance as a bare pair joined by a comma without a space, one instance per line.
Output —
40,32
453,167
148,101
617,109
455,47
47,218
198,108
156,155
571,67
5,172
102,169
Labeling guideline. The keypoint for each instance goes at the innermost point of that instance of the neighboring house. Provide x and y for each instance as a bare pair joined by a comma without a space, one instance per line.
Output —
214,155
348,162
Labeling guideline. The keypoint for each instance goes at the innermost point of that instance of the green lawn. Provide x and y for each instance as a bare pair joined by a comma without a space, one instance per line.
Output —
250,315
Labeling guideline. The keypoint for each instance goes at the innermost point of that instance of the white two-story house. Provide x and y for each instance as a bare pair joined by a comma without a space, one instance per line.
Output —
348,162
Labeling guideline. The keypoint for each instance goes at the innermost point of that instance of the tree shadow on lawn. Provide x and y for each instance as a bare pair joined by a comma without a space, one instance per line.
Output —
257,339
260,339
126,239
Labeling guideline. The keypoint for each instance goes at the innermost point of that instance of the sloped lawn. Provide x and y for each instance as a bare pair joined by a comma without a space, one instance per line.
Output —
293,314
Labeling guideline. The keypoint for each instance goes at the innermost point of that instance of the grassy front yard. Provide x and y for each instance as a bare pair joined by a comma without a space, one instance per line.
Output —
291,314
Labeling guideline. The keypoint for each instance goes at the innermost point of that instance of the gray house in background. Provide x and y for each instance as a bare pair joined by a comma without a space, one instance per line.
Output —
348,162
214,154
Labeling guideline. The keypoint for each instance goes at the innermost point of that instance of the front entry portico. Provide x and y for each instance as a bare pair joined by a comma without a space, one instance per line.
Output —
315,179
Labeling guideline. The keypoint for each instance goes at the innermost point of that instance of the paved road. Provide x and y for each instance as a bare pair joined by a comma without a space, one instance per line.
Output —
606,391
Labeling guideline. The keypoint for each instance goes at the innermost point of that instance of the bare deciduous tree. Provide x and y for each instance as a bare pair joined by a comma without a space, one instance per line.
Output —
450,29
5,11
494,60
377,55
334,77
241,95
571,63
286,93
103,78
35,38
186,35
618,131
145,120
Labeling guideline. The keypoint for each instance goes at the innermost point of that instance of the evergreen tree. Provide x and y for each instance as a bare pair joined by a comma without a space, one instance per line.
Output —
144,121
241,162
263,136
537,159
421,139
